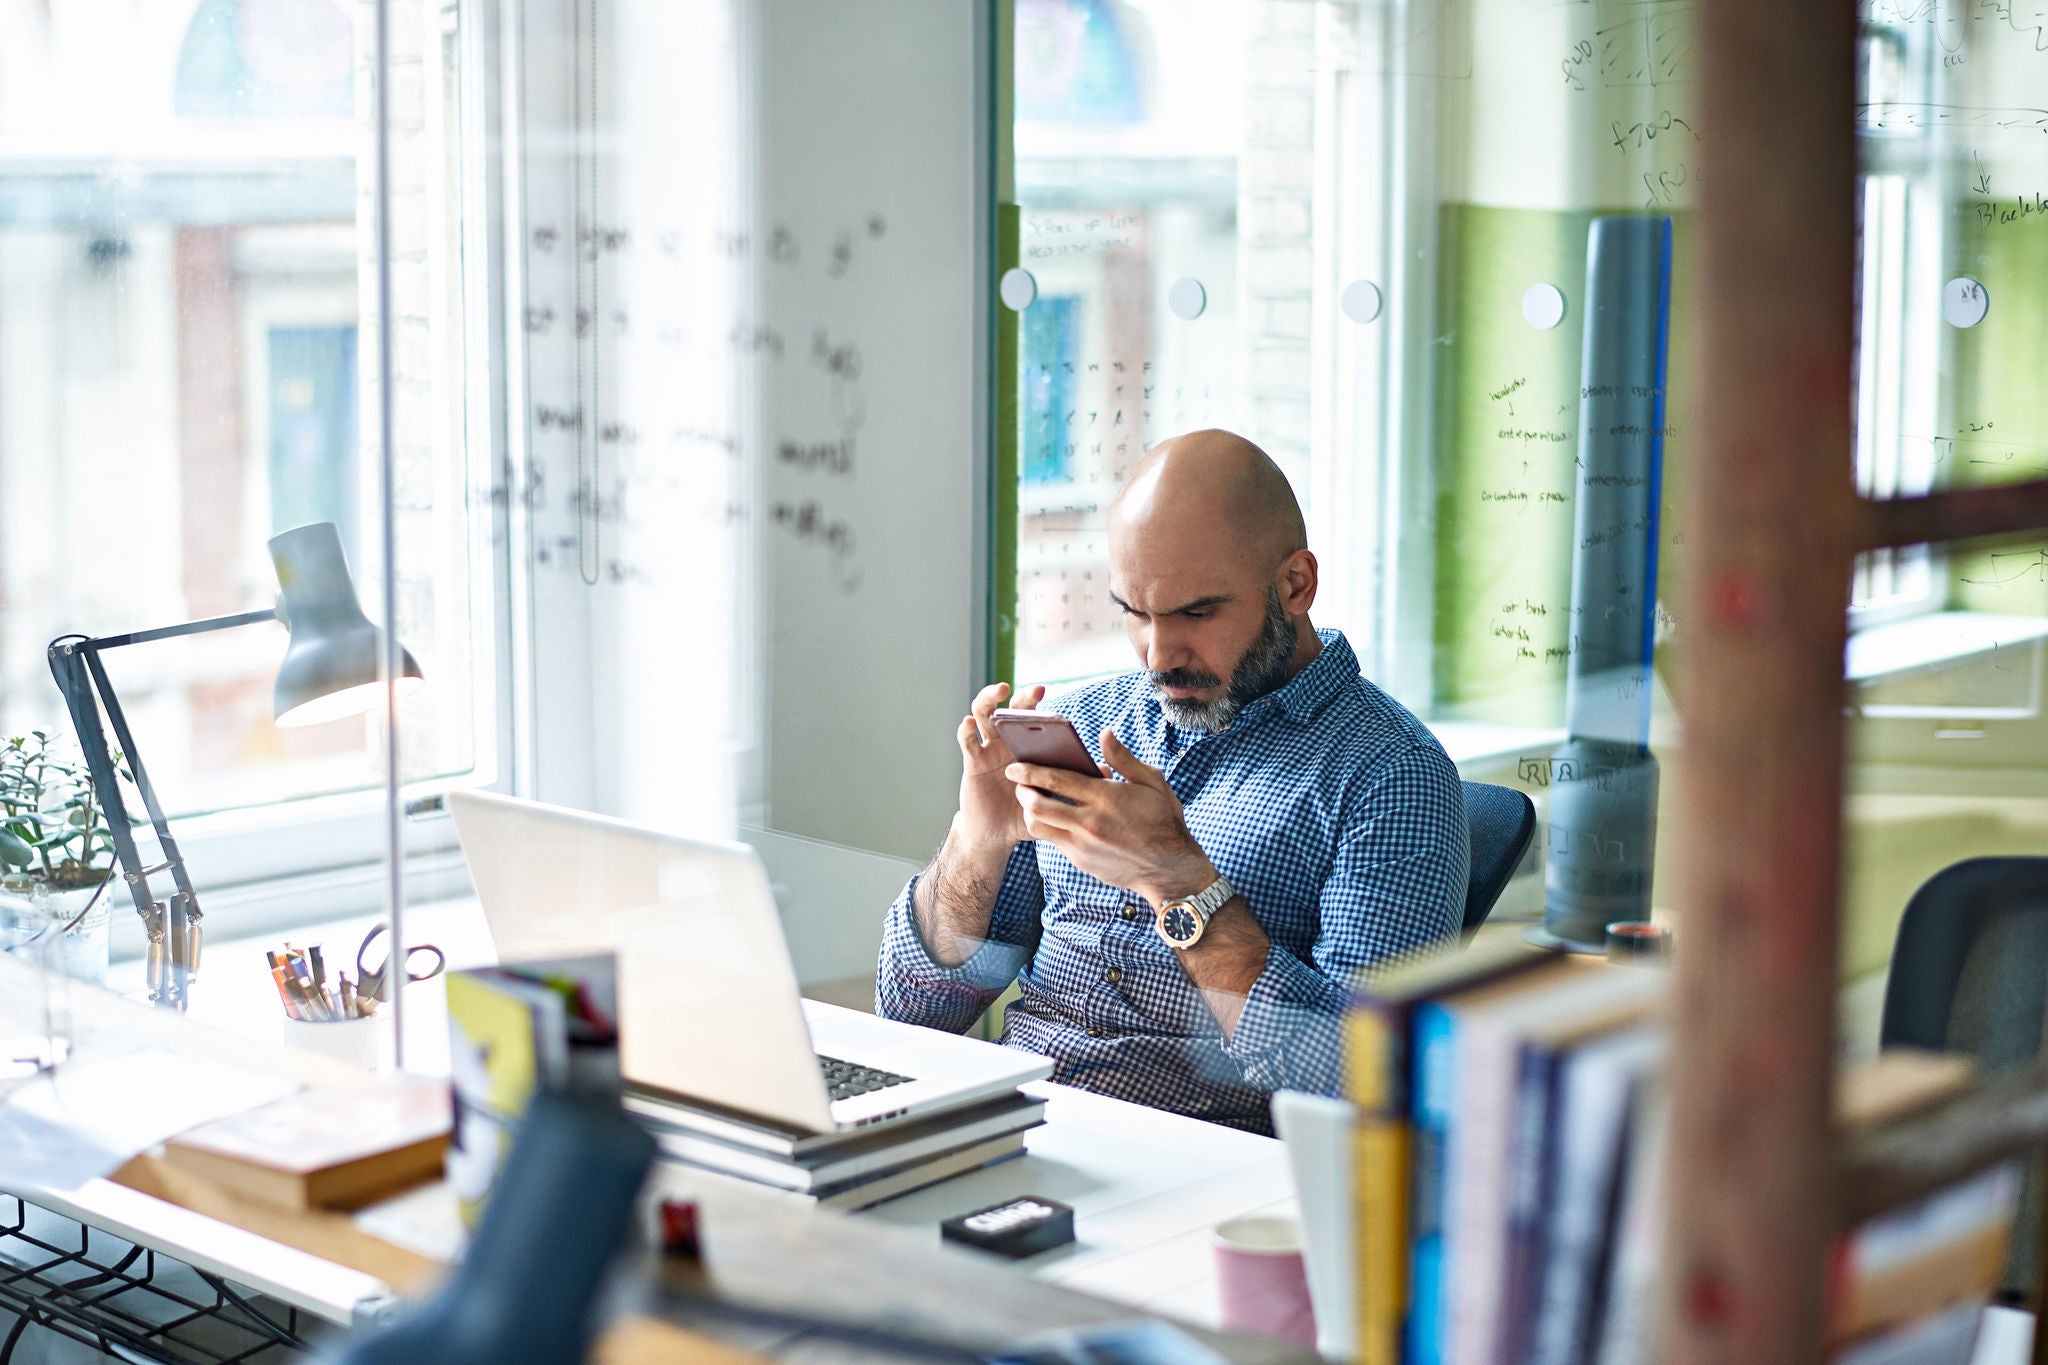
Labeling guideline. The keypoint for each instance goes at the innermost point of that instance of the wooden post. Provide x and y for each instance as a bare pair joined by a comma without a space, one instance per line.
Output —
1771,524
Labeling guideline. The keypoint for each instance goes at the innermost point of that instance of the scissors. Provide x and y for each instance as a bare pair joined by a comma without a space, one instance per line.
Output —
373,983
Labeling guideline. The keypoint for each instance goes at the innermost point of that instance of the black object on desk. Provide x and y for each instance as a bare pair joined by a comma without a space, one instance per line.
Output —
1019,1227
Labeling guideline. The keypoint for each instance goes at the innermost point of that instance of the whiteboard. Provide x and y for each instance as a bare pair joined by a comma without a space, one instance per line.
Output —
751,295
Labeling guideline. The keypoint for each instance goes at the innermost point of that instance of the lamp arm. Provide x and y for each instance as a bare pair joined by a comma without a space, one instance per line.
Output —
67,665
143,637
119,720
87,653
173,930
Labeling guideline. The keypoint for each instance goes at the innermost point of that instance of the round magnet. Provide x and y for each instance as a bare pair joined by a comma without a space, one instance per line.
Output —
1360,301
1964,302
1543,306
1017,289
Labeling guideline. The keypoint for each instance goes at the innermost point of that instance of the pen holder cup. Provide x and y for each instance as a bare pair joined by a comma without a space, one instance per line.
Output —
366,1042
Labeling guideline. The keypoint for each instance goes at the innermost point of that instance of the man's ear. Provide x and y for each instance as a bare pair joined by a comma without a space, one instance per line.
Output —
1295,580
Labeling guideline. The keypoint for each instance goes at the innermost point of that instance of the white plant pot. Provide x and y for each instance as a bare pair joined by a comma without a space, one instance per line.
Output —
81,953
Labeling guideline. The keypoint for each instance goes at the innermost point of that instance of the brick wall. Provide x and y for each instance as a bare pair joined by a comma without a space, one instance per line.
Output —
1276,200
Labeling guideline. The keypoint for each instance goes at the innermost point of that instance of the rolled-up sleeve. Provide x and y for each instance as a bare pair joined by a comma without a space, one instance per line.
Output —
1396,884
912,986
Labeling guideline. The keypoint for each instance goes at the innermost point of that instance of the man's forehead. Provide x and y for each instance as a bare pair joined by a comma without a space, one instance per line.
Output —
1172,592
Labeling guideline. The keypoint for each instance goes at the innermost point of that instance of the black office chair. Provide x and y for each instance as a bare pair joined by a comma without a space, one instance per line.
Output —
1502,821
1970,974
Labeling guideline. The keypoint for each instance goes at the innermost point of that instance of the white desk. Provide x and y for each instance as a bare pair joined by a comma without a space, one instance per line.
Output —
1146,1186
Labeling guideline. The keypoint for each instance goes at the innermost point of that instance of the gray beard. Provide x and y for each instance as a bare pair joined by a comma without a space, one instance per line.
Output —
1262,669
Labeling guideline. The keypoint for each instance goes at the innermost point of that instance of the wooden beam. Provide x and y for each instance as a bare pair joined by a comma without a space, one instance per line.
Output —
1955,514
1772,520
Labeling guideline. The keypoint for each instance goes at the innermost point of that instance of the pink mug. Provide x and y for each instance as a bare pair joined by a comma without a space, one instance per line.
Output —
1261,1285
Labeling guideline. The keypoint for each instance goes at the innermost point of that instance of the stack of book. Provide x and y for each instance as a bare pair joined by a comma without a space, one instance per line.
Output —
1509,1171
843,1170
337,1148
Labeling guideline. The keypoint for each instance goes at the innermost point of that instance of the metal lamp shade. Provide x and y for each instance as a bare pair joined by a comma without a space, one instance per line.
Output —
334,665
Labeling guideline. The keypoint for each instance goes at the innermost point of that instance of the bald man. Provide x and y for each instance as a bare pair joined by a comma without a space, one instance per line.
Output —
1267,824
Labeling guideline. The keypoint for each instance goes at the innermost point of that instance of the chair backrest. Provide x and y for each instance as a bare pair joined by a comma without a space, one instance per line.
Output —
1970,974
1970,963
1502,821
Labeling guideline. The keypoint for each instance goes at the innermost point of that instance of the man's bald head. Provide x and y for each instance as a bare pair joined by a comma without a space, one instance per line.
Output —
1209,563
1214,488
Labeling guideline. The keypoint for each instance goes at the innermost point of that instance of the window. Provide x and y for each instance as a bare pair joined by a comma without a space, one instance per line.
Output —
187,367
1130,143
1898,443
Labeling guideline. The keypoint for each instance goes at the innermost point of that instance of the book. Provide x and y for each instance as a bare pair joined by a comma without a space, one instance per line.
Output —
867,1191
877,1151
335,1148
1435,1086
1627,1326
1911,1262
514,1029
1598,1088
1896,1084
1379,1047
733,1126
1945,1338
1488,1030
1533,1172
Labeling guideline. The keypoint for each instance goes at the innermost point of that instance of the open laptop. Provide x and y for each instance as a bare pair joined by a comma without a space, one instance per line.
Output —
709,1005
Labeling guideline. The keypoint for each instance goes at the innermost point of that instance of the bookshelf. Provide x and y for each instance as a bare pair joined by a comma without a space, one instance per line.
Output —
1759,1185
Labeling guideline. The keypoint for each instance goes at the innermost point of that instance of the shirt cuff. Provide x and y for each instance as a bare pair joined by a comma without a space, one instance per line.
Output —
992,967
912,986
1287,1036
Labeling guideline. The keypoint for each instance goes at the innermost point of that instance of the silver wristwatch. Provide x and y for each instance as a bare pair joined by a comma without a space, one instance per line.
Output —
1182,922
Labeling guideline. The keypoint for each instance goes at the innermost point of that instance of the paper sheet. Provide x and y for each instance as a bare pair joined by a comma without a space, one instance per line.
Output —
89,1116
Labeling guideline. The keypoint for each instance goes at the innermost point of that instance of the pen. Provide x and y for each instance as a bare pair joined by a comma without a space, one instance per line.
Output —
283,992
300,999
319,967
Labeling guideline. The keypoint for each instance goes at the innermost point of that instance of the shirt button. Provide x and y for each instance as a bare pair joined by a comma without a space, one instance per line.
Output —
1095,1033
1130,912
1113,975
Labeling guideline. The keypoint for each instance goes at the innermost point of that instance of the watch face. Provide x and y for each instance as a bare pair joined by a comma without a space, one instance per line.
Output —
1179,925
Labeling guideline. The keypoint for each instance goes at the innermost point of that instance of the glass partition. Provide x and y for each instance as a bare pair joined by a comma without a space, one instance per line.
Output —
186,277
1393,212
1370,238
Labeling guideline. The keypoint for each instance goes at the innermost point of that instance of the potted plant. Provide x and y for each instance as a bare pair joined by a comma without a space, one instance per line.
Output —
54,841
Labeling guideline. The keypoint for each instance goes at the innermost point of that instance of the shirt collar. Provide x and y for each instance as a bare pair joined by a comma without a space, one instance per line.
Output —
1301,696
1298,699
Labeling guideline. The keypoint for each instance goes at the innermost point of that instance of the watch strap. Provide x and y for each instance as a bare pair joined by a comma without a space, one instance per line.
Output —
1212,898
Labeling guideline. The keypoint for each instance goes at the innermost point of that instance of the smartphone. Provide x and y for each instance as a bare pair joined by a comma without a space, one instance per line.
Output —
1044,738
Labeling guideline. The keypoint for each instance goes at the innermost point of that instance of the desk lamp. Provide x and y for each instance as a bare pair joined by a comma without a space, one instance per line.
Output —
331,669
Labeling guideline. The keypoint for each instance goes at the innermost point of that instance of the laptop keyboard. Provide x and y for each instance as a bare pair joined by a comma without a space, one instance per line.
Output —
844,1080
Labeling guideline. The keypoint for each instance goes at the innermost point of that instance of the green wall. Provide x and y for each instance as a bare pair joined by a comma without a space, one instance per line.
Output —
1507,421
1998,392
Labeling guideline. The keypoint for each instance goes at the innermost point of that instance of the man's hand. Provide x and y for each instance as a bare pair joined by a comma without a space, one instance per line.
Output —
1131,833
1134,834
956,895
989,816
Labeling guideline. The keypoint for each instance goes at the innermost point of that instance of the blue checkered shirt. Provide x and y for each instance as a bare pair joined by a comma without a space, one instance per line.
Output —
1333,811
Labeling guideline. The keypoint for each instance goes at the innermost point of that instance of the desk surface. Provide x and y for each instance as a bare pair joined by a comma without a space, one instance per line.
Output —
1146,1186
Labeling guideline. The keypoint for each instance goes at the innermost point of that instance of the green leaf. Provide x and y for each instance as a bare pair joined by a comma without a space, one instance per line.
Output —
14,852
